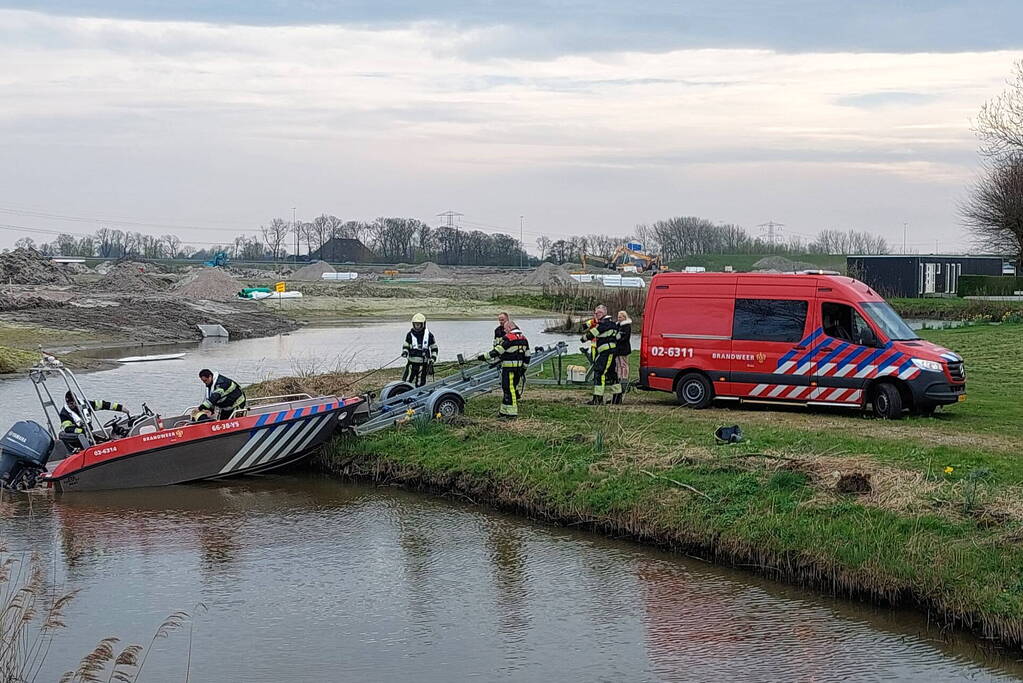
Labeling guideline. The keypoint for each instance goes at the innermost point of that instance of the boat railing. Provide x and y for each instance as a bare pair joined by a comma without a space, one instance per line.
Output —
266,400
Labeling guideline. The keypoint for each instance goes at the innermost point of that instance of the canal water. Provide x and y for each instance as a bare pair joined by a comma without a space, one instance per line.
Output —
307,578
171,386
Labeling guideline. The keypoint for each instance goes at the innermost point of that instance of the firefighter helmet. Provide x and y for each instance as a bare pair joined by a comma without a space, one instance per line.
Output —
419,318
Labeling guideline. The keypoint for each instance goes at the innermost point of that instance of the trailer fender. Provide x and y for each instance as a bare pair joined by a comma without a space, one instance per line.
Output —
393,389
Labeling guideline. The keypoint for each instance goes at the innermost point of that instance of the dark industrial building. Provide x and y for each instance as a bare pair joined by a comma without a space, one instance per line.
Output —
914,275
343,250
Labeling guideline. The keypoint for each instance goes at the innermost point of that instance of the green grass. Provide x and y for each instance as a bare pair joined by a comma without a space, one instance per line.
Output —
957,309
15,360
949,542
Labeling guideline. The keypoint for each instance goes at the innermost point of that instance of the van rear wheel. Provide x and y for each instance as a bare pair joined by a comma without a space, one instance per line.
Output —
694,390
887,402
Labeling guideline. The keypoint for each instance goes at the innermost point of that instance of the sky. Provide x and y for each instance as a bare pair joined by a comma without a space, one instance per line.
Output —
207,119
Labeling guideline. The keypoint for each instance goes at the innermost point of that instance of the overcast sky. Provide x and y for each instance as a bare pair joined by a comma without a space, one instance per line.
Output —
580,116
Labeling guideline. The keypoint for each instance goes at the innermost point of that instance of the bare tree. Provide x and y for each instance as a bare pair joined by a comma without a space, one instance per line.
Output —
173,243
994,210
543,243
274,235
25,243
1000,122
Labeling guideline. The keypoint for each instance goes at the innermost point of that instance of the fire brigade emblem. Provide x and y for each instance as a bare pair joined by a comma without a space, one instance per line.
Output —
761,357
179,433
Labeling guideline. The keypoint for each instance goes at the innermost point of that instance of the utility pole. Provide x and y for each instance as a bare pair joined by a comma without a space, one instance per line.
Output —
905,227
449,218
522,245
294,229
773,231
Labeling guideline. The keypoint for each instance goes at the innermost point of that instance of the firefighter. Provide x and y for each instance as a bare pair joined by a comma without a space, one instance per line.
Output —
222,393
512,349
420,352
603,335
74,421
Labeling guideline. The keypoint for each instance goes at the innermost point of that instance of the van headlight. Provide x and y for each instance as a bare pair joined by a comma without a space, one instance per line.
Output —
932,365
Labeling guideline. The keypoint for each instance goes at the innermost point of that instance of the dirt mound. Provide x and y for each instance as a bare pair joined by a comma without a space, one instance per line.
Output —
29,267
104,267
211,284
130,276
75,268
780,264
14,302
313,271
432,270
548,274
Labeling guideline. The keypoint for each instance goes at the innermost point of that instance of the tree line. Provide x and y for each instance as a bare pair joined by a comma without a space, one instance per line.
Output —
397,240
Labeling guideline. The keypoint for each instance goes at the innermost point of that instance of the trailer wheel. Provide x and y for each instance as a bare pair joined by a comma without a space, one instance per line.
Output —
445,405
395,389
887,401
694,390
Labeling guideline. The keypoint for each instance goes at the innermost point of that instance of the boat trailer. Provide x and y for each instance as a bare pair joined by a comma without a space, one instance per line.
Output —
399,402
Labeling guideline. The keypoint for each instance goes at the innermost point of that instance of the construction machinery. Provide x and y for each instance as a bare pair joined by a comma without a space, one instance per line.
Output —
218,260
627,258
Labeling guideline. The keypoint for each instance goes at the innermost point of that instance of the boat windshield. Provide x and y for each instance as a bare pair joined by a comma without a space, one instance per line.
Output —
885,317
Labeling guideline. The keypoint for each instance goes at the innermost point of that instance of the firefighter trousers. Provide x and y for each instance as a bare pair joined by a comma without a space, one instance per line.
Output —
605,375
415,373
513,380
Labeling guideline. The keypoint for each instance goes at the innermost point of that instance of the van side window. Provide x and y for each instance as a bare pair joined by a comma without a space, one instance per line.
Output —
843,322
769,320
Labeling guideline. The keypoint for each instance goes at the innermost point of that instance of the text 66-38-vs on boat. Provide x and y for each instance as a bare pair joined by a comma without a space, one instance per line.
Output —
154,450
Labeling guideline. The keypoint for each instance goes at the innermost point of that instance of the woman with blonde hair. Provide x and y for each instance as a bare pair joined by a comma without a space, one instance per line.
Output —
622,352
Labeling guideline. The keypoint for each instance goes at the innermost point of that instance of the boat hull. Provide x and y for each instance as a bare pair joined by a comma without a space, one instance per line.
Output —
211,450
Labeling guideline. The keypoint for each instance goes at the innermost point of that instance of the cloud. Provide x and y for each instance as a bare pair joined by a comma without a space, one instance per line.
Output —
315,109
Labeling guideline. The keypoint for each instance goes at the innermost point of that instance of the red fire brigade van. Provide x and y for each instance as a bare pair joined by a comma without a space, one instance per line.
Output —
806,338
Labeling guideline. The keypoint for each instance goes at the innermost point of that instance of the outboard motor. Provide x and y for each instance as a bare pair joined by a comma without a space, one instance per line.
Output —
24,450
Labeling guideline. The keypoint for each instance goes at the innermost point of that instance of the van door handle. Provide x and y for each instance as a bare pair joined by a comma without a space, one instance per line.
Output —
799,348
828,348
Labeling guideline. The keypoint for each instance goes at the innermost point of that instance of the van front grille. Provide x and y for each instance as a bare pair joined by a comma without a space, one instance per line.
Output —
957,371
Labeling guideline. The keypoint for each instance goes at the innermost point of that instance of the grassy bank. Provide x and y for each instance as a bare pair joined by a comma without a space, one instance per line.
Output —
919,511
744,262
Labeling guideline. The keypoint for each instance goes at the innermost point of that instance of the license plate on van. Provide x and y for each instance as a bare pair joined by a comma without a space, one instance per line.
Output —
962,397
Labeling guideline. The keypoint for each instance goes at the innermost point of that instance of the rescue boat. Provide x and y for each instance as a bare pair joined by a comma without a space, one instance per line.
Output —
153,450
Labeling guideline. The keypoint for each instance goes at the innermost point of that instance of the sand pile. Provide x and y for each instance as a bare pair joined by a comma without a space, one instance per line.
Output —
780,264
313,271
29,267
211,284
129,276
432,270
548,274
75,268
104,267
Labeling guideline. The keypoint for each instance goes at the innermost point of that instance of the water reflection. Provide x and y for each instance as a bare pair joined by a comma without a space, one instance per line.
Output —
307,578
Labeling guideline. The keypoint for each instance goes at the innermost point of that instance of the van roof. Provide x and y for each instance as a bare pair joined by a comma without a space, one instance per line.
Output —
841,286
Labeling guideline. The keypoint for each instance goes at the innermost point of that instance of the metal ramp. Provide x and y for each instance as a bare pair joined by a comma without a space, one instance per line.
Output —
399,401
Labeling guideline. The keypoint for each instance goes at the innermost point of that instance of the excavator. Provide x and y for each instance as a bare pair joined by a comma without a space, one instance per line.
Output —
625,259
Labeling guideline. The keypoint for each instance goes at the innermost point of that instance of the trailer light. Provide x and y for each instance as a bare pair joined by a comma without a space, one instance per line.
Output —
932,365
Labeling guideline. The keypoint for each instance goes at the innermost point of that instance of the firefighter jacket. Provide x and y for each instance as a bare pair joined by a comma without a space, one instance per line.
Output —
603,335
512,349
420,346
73,421
498,332
224,394
624,347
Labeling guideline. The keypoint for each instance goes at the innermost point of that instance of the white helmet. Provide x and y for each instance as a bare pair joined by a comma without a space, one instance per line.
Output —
419,318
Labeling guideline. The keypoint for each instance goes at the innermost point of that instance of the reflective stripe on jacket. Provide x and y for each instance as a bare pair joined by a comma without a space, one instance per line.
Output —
418,350
74,422
225,394
604,335
512,349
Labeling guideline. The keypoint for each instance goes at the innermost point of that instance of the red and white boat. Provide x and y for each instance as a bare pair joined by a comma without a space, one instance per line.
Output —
155,450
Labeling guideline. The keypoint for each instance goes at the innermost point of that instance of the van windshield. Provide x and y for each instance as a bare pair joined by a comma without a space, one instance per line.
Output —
885,317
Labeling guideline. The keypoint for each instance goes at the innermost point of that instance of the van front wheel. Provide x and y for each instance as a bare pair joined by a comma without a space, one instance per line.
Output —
695,391
887,402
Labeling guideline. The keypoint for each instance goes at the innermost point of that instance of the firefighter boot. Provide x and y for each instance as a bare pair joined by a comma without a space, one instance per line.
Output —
595,401
616,400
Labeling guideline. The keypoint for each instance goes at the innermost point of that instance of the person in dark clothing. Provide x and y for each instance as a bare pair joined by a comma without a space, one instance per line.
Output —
420,352
513,351
222,393
622,352
604,336
502,318
75,421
